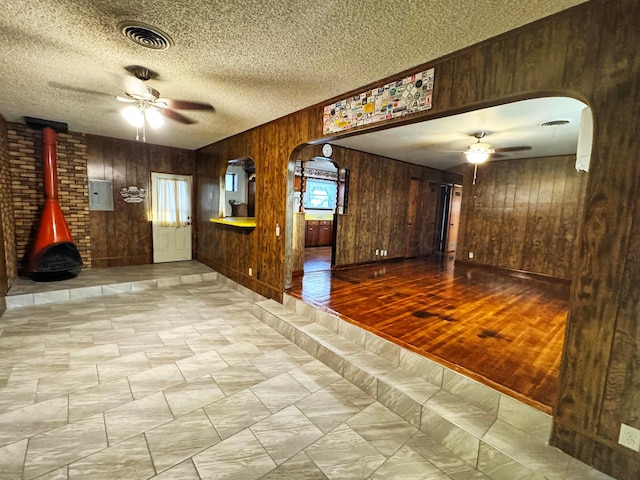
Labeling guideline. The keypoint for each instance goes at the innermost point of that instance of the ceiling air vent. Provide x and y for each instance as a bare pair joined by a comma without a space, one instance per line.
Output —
145,35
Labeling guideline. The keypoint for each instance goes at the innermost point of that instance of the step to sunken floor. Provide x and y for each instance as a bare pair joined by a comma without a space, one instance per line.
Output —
79,293
500,436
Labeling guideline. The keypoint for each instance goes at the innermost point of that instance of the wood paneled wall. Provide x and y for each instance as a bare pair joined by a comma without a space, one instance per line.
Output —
230,250
589,52
123,236
523,215
297,242
378,201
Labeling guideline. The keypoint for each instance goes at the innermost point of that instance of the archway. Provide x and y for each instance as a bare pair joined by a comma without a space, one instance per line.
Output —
493,204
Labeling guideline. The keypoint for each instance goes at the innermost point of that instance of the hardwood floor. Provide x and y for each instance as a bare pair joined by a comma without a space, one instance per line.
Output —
317,258
505,331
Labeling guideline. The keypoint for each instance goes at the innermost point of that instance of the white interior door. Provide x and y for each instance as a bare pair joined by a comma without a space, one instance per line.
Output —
171,217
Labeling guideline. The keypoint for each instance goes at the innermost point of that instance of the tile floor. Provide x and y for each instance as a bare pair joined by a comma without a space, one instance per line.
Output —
183,382
165,372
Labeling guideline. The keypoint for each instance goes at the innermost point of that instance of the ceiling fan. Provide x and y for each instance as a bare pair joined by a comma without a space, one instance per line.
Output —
480,152
147,108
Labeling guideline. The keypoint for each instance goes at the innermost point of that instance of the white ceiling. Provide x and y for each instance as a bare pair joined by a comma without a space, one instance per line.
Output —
254,61
440,143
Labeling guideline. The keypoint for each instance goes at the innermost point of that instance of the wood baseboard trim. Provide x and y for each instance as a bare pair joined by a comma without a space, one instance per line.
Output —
516,273
371,262
105,262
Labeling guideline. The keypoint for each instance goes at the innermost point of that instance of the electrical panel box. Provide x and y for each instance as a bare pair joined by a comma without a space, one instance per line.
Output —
101,195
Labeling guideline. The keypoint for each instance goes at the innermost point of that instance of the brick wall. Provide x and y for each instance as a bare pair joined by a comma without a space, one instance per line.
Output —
26,163
6,210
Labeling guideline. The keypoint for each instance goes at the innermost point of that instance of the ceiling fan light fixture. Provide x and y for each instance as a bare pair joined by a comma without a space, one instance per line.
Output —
477,156
478,152
133,115
154,118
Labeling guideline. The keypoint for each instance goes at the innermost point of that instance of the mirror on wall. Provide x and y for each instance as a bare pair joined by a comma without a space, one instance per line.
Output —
240,188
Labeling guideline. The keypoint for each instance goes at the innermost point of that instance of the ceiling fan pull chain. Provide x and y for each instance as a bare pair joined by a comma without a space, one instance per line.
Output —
475,172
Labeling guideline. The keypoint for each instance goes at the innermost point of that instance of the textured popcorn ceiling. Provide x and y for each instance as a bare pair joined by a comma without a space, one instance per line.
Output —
254,60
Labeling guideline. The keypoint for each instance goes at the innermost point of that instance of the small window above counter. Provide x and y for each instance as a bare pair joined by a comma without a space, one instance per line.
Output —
239,222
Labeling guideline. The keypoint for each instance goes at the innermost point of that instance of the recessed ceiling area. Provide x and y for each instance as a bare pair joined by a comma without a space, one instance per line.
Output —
439,143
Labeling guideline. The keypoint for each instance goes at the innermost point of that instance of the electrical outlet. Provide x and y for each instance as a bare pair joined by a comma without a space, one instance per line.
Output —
629,437
250,271
471,255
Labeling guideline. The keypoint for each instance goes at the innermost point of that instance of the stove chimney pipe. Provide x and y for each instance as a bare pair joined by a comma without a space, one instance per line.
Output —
54,255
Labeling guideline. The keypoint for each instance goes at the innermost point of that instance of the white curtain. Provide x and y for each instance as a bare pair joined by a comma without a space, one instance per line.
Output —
173,203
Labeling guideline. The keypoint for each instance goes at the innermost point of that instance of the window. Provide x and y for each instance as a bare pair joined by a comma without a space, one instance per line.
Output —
172,203
320,194
231,182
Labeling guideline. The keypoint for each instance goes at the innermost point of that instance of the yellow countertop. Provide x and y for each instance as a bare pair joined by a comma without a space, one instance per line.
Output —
318,216
241,222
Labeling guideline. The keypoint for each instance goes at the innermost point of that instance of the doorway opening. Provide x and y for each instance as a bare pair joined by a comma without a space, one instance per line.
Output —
433,217
320,193
448,219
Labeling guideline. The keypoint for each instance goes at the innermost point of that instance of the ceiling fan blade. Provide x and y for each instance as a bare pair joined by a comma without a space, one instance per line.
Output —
187,105
178,117
521,148
125,99
71,88
160,104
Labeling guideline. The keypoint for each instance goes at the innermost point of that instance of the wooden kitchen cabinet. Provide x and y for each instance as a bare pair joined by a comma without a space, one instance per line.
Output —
318,233
311,233
325,233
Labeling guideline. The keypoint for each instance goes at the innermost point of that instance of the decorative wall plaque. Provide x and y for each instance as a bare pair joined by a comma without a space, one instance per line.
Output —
133,194
396,99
